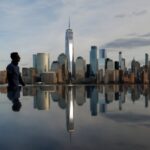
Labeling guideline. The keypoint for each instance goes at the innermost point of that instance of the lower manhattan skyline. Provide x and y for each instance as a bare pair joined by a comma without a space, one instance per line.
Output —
39,26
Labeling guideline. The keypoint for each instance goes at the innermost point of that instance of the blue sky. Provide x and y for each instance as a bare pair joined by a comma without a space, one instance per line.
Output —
31,26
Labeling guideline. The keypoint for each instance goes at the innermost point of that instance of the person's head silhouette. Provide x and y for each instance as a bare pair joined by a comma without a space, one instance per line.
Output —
15,57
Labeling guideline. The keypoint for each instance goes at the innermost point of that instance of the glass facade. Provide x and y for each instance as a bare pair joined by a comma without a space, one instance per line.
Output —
69,50
93,60
102,57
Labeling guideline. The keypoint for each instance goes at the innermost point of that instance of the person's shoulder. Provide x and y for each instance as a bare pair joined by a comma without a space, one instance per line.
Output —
9,66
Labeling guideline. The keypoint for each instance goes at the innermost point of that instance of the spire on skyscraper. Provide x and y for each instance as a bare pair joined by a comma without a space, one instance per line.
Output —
69,23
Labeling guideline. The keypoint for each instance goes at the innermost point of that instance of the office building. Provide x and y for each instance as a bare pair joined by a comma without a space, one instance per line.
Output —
101,65
120,59
29,75
93,61
123,66
63,62
88,68
57,68
135,68
69,50
145,79
3,77
41,62
80,68
110,64
100,76
116,65
101,59
146,60
49,77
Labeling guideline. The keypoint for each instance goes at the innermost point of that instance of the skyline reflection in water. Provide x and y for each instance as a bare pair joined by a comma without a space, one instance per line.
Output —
96,108
100,97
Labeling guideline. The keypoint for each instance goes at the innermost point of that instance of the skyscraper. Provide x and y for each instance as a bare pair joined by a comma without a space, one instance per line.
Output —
120,59
41,62
146,60
69,50
102,58
80,68
93,60
63,62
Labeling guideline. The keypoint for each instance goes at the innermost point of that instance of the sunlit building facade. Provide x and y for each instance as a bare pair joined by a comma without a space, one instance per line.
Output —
70,109
69,50
41,100
41,62
80,68
57,68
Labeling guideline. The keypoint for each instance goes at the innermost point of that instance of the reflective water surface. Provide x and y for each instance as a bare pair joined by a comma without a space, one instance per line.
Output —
75,117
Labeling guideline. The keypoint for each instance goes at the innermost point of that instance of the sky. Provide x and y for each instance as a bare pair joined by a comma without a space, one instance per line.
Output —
32,26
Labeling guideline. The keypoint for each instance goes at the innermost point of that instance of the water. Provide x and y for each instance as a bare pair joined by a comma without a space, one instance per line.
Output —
75,117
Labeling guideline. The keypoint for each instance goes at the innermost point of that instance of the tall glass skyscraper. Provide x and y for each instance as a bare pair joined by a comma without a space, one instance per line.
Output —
146,60
102,58
69,49
93,60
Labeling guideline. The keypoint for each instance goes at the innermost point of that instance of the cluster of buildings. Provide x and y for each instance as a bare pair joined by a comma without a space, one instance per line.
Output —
67,69
100,69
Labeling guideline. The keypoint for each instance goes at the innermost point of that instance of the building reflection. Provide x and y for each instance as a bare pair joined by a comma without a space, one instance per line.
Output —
101,98
59,95
70,108
93,100
80,94
41,99
97,96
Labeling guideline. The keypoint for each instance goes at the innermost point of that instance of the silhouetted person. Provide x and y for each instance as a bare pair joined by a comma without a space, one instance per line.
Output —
14,94
13,74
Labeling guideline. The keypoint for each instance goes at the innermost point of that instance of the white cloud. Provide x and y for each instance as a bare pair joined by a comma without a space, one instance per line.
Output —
31,26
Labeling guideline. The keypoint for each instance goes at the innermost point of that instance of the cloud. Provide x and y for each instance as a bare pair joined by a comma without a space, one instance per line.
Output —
145,35
132,34
120,16
132,14
128,43
139,13
32,26
137,35
130,118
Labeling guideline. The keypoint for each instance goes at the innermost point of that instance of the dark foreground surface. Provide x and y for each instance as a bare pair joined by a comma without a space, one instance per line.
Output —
78,117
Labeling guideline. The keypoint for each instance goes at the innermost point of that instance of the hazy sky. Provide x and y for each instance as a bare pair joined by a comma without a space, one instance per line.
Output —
31,26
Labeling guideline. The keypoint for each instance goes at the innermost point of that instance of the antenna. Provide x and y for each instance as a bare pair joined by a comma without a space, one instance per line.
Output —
69,22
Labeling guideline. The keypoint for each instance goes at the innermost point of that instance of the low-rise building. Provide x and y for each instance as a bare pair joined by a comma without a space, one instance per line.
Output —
29,75
49,77
3,77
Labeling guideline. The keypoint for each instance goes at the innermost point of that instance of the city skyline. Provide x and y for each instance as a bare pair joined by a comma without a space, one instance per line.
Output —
31,26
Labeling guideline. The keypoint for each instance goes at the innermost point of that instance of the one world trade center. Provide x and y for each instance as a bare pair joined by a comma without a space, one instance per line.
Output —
69,50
